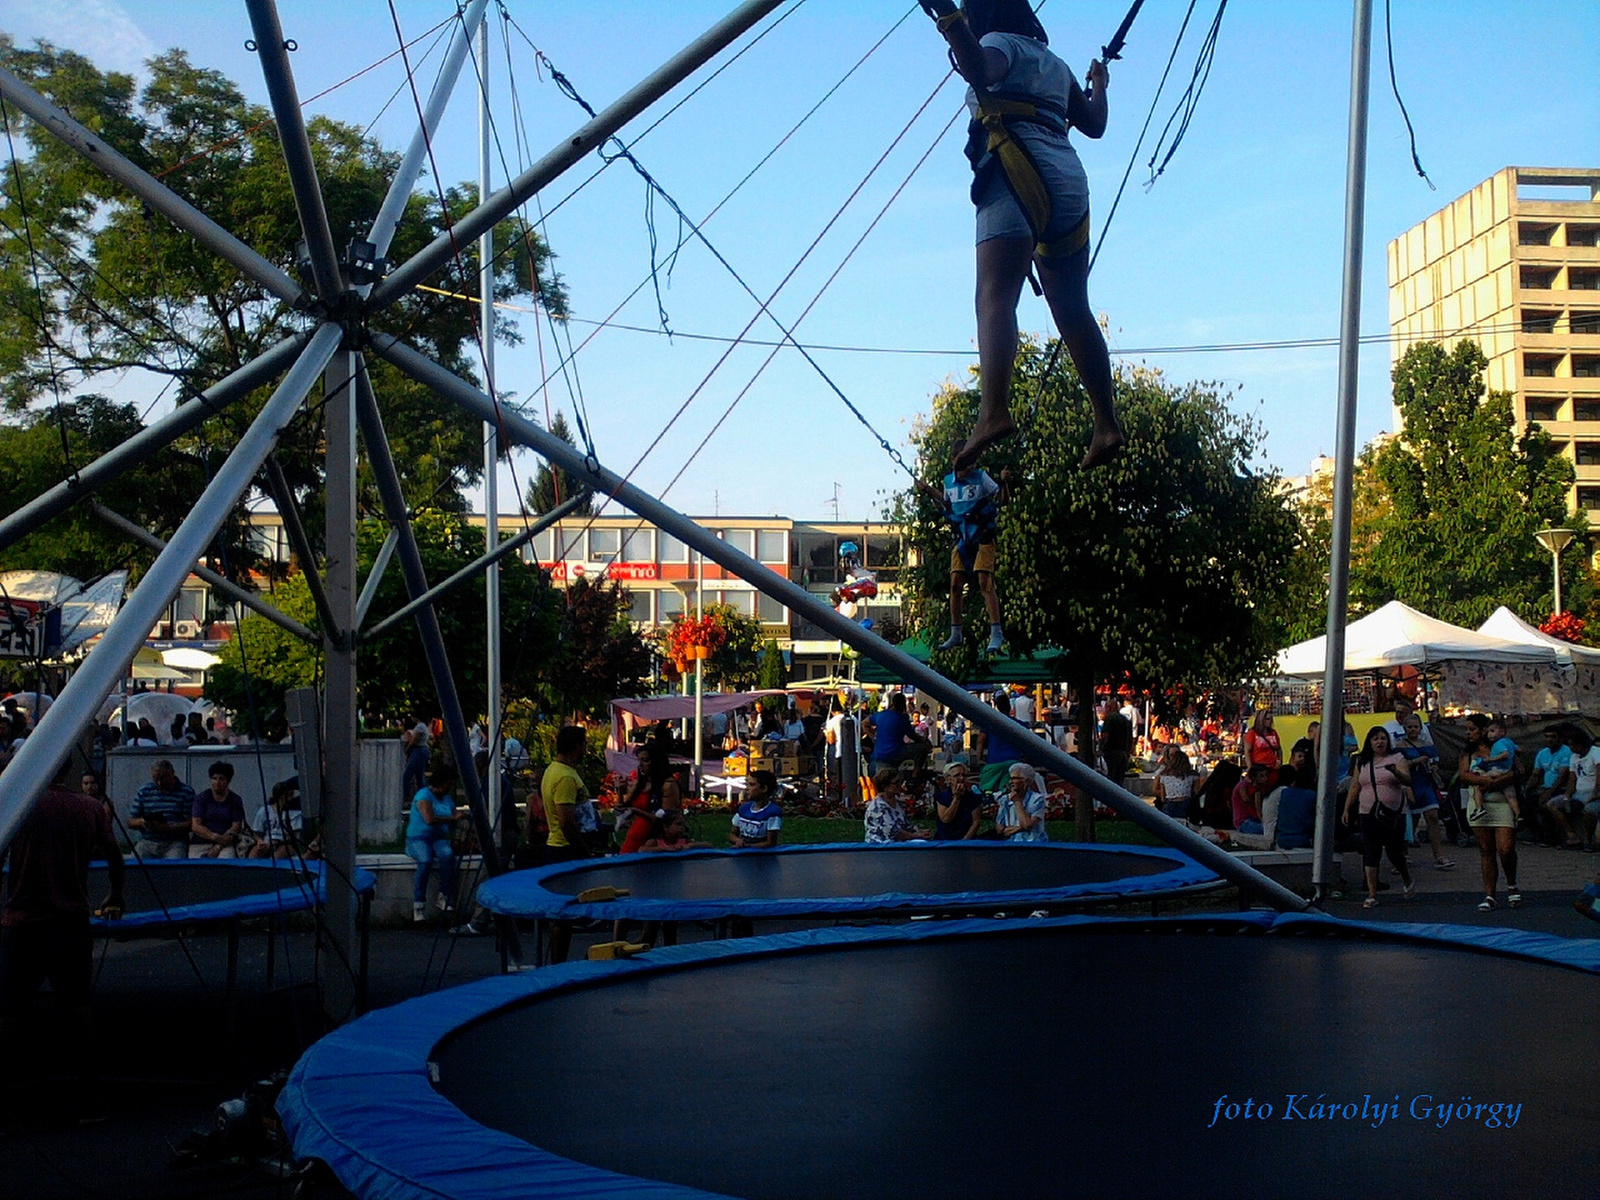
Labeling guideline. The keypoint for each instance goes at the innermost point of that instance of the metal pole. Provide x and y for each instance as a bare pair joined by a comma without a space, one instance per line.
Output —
273,51
341,761
389,489
116,462
1556,554
506,548
300,542
699,670
219,583
490,211
491,443
160,198
36,762
369,590
394,203
524,432
1323,871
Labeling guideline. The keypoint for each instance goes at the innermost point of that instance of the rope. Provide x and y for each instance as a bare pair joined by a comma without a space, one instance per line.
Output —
1394,86
1190,98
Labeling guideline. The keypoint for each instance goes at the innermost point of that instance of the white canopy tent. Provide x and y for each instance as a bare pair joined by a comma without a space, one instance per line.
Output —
1507,625
1398,635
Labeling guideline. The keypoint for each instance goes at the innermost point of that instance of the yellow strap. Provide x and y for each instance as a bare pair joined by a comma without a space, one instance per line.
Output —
942,24
1074,240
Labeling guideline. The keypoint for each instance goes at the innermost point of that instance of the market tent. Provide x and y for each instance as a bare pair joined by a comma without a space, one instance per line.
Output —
1398,635
1507,625
1046,665
627,712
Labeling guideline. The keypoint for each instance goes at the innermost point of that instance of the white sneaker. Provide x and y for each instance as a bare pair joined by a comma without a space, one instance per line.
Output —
443,902
419,912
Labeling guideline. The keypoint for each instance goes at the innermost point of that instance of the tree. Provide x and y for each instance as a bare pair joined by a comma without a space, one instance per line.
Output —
92,283
262,661
1464,496
772,673
599,655
551,485
1166,568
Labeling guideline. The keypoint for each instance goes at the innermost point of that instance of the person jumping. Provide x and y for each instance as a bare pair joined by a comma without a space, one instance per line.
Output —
971,501
1032,198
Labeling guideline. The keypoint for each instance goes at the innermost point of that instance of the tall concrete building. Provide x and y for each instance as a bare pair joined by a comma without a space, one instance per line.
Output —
1515,265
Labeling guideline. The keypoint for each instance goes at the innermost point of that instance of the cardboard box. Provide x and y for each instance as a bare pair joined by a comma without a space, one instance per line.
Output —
789,765
735,766
763,764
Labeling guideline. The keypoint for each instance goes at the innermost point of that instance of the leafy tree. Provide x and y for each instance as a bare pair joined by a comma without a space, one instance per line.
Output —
121,290
1166,568
551,485
262,660
1464,496
599,655
772,672
737,663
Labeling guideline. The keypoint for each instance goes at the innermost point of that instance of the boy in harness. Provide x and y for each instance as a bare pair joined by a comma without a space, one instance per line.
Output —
1032,198
971,501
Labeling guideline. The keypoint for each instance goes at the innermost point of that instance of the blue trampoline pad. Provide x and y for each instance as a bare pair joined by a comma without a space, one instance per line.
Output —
801,881
164,893
1079,1056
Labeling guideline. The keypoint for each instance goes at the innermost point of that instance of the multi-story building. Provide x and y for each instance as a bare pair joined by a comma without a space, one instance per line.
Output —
1515,265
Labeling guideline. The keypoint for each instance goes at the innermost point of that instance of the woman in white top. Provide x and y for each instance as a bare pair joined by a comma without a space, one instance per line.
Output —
1175,783
1002,51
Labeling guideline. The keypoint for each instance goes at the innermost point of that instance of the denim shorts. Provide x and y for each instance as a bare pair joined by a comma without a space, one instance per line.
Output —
999,214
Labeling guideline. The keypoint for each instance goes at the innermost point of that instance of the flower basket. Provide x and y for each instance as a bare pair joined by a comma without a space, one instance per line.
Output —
701,652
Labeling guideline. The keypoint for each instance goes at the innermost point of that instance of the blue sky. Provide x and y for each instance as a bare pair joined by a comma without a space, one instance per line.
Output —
1239,241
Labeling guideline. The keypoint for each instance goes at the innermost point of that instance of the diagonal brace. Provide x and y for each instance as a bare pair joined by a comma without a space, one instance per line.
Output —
283,495
218,582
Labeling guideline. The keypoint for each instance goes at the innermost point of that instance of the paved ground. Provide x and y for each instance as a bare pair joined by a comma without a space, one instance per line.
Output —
168,1019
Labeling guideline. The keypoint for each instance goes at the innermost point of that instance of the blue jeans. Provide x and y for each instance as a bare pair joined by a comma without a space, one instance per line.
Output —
427,852
1250,825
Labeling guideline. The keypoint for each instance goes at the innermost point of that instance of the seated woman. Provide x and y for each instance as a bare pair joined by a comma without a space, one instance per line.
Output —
279,822
432,821
1020,817
886,820
1175,783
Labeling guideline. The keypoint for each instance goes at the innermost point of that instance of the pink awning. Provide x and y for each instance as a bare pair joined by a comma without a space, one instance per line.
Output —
678,708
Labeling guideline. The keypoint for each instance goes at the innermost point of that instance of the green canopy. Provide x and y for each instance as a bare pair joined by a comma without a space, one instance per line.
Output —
1046,665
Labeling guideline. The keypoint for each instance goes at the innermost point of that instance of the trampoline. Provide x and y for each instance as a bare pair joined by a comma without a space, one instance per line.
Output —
843,880
1078,1055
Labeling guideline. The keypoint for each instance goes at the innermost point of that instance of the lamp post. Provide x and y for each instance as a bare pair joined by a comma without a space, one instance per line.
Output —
1555,541
688,586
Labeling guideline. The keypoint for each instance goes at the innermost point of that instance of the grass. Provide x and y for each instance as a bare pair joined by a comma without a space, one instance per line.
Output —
713,826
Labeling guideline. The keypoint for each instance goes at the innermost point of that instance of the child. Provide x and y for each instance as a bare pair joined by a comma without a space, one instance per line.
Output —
1032,198
971,501
759,818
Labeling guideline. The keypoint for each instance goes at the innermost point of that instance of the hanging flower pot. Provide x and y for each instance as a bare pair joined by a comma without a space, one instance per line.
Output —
702,652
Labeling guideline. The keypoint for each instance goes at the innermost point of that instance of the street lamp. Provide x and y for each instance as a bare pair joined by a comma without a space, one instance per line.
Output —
1555,541
694,586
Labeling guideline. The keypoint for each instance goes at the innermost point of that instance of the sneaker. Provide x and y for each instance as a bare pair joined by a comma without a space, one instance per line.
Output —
419,911
1443,864
1370,902
997,639
467,930
1487,904
1514,898
953,641
1411,891
443,902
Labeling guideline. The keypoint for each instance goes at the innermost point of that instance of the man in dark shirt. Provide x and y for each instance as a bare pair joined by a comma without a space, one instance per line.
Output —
894,739
958,806
44,927
1116,743
161,813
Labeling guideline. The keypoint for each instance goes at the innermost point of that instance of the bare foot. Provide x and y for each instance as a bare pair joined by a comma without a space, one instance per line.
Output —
1103,447
984,434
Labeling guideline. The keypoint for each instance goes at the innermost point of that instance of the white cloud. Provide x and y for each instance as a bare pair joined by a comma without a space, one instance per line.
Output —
101,30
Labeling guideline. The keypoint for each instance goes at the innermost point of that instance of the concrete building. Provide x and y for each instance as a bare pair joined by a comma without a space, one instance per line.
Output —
1515,265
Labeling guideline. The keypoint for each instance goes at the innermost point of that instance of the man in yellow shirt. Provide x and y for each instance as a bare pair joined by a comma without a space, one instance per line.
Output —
562,790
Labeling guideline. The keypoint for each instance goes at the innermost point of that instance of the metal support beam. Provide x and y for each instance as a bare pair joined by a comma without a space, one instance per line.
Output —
1036,751
369,589
1323,872
36,762
115,463
300,542
491,442
508,547
341,805
394,204
500,205
388,481
219,583
159,197
273,51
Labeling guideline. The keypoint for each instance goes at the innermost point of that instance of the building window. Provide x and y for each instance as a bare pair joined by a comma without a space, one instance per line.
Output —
1586,366
1583,281
1586,410
742,602
816,556
772,546
742,540
1539,321
639,546
1538,278
190,606
1586,322
1534,235
544,545
1583,235
1543,410
672,550
1589,498
641,613
604,545
1543,365
768,610
883,550
1586,454
669,604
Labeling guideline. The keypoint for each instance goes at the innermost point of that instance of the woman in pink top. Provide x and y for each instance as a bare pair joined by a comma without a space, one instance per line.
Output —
1378,780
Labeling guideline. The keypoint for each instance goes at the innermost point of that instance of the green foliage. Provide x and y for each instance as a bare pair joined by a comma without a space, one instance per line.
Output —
126,291
599,655
262,660
737,664
1461,498
1170,566
772,672
540,742
551,485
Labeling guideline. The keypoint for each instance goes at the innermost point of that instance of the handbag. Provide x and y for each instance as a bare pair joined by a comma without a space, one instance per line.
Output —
1385,818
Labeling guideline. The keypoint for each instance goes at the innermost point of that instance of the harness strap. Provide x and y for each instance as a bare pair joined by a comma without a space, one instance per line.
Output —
995,115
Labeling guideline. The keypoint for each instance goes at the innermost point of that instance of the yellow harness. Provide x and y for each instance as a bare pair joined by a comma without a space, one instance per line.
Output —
990,135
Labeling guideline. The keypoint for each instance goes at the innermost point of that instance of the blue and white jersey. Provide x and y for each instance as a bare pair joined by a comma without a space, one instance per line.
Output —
970,497
753,824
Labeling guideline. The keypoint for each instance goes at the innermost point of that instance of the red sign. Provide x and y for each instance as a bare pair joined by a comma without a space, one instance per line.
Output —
629,572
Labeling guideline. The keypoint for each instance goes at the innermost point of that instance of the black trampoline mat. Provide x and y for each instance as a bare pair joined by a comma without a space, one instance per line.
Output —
1049,1062
198,881
848,873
